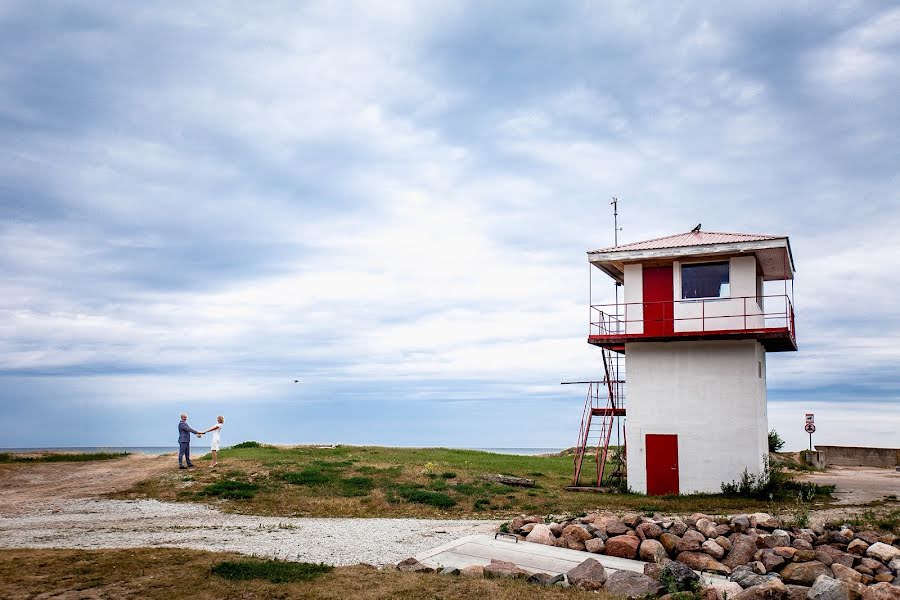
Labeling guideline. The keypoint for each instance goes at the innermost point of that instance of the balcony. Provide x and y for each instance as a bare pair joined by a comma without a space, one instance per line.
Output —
769,319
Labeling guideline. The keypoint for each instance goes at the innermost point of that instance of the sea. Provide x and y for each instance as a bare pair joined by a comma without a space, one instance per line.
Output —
156,450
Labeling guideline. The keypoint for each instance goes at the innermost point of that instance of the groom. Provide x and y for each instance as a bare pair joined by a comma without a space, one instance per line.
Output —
184,442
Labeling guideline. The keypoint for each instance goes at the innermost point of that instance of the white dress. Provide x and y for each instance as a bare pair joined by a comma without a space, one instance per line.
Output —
217,434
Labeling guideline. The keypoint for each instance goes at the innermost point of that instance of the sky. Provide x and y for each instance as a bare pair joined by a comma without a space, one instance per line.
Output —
392,202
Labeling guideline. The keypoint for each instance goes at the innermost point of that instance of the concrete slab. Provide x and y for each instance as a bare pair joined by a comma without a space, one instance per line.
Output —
480,549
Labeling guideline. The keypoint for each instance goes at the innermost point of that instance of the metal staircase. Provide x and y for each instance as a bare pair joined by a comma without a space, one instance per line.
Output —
604,412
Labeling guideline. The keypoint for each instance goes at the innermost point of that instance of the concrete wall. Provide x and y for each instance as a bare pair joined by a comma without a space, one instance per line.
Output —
634,298
712,394
853,456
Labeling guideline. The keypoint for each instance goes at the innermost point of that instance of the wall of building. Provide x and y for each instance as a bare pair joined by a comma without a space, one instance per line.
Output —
853,456
634,298
712,394
721,313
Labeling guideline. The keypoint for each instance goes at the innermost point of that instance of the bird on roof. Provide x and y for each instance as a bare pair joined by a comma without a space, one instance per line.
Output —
697,228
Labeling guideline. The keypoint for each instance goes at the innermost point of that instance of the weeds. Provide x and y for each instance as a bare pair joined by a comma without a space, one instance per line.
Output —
7,457
233,490
272,570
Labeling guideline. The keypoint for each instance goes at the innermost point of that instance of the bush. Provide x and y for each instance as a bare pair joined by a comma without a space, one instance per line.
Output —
420,496
356,486
309,477
248,444
272,570
775,442
773,483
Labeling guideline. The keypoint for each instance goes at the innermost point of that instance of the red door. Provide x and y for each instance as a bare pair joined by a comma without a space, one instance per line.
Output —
662,464
658,301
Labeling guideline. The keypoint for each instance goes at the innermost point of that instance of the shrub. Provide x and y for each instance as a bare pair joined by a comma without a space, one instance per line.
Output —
248,444
272,570
773,483
420,496
775,442
481,504
309,476
356,486
448,475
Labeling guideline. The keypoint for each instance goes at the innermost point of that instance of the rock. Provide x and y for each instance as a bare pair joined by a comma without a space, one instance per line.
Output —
573,537
724,542
449,571
884,578
612,525
869,536
713,549
845,573
690,541
669,542
519,522
624,546
856,589
652,551
804,556
883,552
802,544
838,556
631,585
804,573
631,519
695,560
771,561
472,571
725,590
764,520
787,552
527,527
648,531
504,569
823,557
541,534
703,523
411,565
740,523
545,578
682,576
881,591
595,545
857,547
826,588
556,528
796,592
653,570
742,550
894,565
694,518
678,527
589,575
771,589
873,564
746,578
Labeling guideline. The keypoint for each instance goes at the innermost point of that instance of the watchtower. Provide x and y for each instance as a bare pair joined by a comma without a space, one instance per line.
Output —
696,324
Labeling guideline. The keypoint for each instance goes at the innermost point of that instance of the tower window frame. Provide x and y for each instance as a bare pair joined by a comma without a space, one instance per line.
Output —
706,280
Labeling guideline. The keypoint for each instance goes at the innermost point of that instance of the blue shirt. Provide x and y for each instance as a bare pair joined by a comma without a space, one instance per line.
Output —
184,432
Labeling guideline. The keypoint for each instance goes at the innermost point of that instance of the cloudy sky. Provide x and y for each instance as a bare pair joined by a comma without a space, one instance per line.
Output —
392,202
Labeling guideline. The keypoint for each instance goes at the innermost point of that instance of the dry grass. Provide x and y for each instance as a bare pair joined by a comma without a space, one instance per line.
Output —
169,573
396,472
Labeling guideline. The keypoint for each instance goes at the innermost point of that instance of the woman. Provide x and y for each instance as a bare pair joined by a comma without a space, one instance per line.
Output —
214,446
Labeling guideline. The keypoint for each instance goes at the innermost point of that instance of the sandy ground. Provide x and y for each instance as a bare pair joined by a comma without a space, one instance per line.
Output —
855,486
56,505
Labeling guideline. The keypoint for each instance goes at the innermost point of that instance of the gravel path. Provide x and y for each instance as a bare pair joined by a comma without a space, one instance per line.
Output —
147,523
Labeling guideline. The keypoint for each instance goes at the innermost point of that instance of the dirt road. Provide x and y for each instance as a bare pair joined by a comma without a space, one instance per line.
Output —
855,486
26,487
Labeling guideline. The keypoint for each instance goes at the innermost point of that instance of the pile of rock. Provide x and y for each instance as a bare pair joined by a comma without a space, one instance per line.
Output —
753,550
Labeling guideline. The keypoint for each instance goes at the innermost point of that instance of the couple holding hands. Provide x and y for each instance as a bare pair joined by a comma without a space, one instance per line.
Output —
184,440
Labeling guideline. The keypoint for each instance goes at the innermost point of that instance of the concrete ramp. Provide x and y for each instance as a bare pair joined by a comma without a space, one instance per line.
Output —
480,549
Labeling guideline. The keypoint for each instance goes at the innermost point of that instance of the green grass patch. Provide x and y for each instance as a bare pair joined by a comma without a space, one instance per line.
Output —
272,570
231,489
420,496
356,486
310,476
247,444
52,457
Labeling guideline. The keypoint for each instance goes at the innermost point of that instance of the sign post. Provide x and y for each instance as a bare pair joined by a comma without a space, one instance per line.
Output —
810,427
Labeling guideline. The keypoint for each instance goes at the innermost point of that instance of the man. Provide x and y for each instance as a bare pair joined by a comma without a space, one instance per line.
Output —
184,442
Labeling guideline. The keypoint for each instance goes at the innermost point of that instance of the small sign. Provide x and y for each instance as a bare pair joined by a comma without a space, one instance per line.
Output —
810,427
810,418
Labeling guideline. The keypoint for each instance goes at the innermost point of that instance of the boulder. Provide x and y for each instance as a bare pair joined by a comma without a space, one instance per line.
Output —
869,536
631,519
845,573
881,591
838,555
545,578
696,517
411,565
682,576
857,547
678,527
595,545
449,571
725,590
804,556
787,552
648,531
519,522
724,542
573,537
746,578
541,534
796,592
801,544
690,541
504,569
771,589
623,546
669,542
764,520
654,570
873,564
894,565
713,549
884,578
652,551
589,575
612,525
472,571
827,588
742,550
695,560
883,552
856,589
556,528
771,561
804,573
740,523
631,585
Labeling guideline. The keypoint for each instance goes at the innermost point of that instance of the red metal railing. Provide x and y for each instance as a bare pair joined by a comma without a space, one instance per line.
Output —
704,315
608,394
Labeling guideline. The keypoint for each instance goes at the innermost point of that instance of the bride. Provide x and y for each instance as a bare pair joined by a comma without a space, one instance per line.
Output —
217,435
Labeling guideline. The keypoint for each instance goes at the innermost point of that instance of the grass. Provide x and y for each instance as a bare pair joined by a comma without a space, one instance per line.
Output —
166,573
51,457
870,519
275,571
369,481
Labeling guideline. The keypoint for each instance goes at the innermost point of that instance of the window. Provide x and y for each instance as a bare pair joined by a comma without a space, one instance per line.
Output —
705,280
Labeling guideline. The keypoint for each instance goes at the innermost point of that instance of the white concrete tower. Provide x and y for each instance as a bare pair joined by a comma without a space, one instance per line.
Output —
695,326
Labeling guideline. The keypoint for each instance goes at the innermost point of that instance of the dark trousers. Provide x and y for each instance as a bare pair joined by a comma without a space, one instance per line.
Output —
184,449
